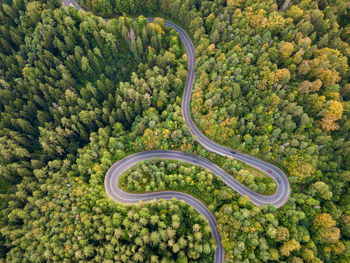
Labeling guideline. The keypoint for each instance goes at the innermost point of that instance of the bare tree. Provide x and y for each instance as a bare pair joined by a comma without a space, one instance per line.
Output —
285,5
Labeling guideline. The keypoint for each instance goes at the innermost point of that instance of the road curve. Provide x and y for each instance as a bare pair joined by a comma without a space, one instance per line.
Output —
278,199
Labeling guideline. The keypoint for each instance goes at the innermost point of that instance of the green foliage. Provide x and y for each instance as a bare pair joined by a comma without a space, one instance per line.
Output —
160,175
78,93
64,76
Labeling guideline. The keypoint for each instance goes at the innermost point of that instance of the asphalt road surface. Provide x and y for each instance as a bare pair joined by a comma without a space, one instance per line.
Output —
278,199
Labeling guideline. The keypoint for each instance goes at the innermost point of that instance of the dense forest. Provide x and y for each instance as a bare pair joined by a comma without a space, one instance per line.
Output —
78,93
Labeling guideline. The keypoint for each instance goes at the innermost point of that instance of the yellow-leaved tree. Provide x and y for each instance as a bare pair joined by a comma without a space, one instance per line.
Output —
334,113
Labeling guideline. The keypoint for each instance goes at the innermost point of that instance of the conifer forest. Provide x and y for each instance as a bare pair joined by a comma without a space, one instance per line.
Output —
175,131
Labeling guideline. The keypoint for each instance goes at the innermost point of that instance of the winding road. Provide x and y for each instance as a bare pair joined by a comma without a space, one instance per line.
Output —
278,199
